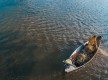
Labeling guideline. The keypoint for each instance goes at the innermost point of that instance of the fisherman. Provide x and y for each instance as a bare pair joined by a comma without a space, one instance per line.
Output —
93,42
90,47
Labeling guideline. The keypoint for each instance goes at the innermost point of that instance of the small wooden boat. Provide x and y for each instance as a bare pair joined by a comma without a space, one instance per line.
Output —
82,51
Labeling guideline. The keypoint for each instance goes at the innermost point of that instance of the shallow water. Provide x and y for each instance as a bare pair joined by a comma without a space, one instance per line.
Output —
36,35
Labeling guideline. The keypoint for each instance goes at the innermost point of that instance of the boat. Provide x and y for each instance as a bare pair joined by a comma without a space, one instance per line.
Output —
73,64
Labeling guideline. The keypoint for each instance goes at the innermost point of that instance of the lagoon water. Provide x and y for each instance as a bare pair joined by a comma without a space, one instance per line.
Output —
36,35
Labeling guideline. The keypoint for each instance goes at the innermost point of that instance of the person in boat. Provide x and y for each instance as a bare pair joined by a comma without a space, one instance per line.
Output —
90,46
89,50
93,43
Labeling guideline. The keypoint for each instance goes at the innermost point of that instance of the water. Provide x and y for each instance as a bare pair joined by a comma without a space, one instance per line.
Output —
36,35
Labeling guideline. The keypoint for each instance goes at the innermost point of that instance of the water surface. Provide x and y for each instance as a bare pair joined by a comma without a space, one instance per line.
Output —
36,35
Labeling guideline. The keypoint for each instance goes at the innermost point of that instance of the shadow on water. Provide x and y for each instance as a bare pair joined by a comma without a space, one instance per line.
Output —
15,58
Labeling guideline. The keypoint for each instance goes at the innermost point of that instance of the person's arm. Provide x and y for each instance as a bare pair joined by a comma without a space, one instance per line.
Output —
74,56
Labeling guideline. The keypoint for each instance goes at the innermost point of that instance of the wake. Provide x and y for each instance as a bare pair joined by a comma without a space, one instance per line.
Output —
103,51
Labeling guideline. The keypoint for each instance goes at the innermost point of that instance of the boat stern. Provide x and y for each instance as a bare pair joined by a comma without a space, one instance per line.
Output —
69,68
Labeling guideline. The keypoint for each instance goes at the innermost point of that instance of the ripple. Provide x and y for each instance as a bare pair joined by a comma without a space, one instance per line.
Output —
37,33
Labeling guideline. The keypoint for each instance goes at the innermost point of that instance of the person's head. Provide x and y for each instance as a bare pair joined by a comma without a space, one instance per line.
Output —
99,37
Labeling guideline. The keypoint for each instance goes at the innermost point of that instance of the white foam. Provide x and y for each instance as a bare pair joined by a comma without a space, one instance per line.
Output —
103,51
